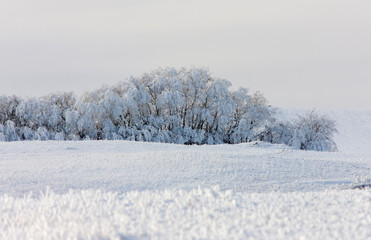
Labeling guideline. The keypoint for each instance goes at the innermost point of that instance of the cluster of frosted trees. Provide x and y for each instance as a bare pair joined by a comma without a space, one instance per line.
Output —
186,106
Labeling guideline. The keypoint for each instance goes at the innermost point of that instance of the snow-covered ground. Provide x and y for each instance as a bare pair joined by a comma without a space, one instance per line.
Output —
188,214
132,190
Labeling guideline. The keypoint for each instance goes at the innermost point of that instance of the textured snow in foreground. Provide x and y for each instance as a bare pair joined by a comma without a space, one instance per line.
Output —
179,214
133,190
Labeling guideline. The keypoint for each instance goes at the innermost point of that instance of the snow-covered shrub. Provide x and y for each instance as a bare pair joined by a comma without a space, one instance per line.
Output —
31,113
26,133
251,116
10,131
42,134
314,132
59,136
73,137
278,132
91,116
71,117
58,106
309,132
8,106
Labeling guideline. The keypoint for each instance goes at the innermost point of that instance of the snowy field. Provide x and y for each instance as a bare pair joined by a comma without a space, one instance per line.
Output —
132,190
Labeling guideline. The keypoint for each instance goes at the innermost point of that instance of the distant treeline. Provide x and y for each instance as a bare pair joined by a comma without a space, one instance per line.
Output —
185,106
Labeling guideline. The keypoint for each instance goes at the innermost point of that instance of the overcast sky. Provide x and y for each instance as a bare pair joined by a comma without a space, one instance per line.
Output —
299,53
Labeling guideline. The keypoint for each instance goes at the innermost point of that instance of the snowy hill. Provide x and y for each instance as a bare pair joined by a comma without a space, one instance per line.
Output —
135,190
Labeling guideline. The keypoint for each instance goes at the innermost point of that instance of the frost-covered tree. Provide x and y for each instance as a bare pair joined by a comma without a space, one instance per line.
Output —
71,130
42,134
10,131
251,116
314,132
308,132
278,132
26,133
31,113
8,106
56,107
91,116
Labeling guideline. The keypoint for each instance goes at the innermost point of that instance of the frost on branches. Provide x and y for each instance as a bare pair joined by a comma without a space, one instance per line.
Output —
309,132
185,106
314,132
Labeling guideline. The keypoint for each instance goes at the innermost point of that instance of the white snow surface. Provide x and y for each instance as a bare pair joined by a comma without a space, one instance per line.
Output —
191,214
133,190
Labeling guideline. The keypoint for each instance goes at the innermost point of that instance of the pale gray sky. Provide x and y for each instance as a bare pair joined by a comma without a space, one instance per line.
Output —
299,53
